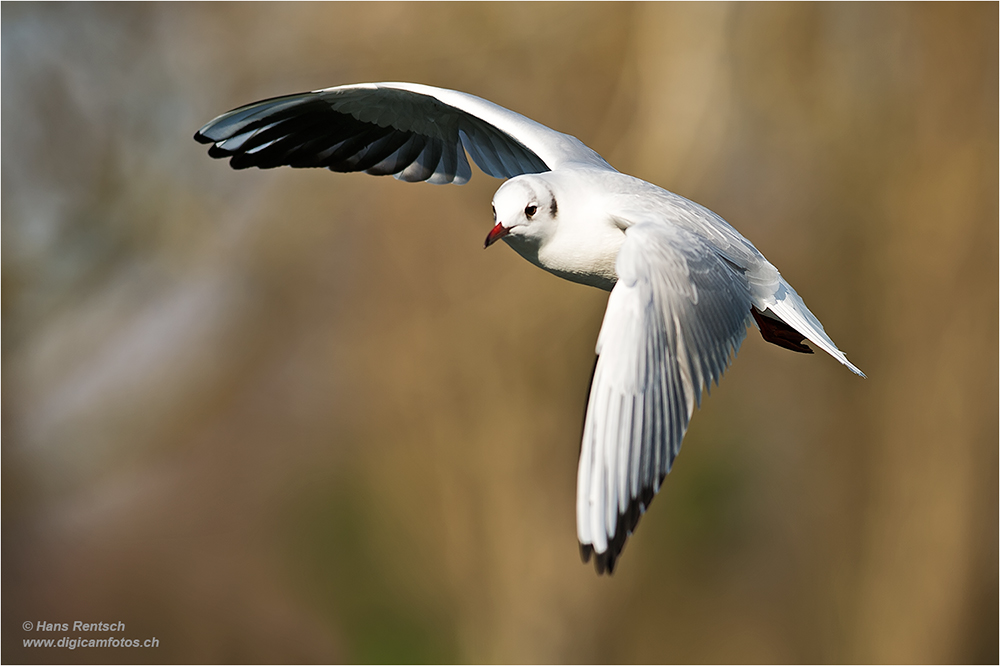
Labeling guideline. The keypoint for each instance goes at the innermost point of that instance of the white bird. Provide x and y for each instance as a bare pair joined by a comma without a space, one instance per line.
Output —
684,284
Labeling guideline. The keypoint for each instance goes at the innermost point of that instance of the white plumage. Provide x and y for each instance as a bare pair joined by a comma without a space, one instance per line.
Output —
684,284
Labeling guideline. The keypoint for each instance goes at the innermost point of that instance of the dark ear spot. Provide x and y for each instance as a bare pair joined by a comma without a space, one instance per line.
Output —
553,208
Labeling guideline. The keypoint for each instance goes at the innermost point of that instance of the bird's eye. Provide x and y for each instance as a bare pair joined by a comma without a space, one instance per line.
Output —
494,213
531,210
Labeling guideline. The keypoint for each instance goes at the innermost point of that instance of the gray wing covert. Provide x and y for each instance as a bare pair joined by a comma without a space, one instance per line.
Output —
674,321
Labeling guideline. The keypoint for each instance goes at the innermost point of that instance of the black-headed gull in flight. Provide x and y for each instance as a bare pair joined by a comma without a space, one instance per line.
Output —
684,284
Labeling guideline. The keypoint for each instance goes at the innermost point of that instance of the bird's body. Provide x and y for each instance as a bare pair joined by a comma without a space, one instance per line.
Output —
582,243
595,209
684,284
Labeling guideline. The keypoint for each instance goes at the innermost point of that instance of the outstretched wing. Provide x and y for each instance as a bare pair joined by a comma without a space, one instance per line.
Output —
674,322
411,131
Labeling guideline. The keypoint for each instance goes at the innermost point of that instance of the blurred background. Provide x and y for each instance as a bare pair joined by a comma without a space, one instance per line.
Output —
296,416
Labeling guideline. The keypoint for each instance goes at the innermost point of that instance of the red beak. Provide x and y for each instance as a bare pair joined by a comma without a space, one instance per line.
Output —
496,234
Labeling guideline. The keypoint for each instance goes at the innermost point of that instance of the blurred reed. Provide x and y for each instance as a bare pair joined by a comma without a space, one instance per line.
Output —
293,416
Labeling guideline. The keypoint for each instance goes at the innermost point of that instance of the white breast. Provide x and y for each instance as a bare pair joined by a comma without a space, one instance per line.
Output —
584,241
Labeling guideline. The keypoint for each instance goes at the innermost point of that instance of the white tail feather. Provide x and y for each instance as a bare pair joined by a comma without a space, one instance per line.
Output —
790,308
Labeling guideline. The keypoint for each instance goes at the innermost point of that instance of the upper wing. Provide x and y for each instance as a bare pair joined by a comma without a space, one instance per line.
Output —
412,131
675,319
768,289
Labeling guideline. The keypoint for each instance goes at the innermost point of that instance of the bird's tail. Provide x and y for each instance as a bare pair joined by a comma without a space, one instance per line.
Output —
790,309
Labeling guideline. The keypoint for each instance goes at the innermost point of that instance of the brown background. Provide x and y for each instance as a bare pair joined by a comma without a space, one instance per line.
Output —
298,416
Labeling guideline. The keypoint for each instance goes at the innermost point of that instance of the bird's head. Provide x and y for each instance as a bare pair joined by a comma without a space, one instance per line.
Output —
524,211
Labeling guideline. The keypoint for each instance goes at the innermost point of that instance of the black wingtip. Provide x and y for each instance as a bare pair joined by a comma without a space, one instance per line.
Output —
201,138
627,521
779,333
604,563
218,153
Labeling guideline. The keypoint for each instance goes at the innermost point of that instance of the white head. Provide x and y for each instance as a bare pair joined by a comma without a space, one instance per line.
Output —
525,212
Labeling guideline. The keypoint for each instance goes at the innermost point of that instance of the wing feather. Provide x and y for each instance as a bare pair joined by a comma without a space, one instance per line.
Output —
414,132
674,321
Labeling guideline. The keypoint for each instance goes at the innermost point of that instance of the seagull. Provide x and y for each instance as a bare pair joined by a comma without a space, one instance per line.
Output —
684,285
